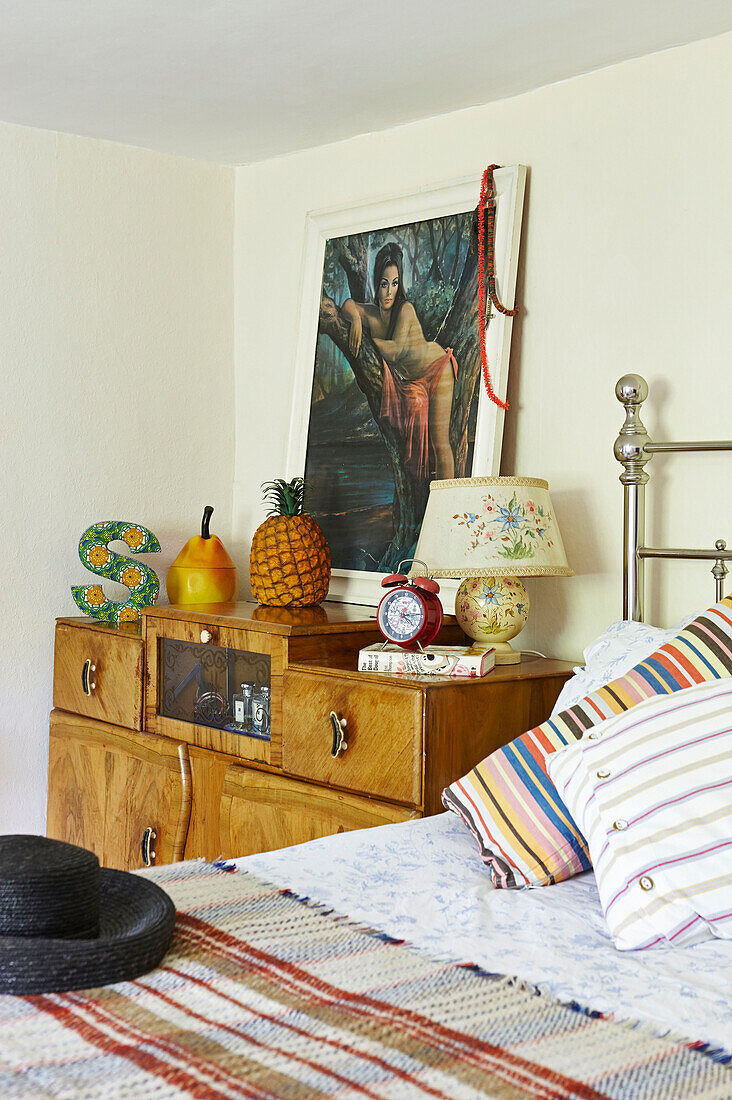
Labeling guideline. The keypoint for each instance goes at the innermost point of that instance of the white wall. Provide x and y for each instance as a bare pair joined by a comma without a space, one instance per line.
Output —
625,267
116,351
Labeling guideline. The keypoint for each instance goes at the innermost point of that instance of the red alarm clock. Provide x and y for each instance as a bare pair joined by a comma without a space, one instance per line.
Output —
410,614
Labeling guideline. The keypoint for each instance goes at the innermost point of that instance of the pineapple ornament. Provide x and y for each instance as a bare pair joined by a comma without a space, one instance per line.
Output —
289,565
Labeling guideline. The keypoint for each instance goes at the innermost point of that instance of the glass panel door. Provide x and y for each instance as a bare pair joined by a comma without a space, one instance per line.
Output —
216,686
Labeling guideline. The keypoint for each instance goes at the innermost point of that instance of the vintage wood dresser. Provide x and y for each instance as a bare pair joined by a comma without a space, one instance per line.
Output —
147,763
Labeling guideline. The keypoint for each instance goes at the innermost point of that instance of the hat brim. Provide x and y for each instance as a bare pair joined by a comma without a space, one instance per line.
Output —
135,928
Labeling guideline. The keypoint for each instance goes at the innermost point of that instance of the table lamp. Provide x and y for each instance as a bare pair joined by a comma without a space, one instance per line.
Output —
489,532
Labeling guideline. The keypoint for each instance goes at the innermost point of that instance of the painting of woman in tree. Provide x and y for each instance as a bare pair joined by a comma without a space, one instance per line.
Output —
395,386
416,394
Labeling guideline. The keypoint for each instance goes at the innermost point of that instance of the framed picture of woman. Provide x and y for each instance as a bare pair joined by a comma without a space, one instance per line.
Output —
388,392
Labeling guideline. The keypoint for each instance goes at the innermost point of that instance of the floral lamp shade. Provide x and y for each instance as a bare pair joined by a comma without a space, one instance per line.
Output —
492,526
491,531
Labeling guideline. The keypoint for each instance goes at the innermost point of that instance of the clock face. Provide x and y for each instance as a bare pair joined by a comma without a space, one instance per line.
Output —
401,615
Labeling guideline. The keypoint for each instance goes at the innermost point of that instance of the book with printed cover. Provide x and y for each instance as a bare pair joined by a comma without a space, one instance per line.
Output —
456,661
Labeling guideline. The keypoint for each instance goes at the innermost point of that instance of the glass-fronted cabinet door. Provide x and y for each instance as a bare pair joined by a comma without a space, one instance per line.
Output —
218,687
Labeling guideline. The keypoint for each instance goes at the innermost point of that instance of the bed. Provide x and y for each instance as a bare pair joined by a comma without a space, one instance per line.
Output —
384,963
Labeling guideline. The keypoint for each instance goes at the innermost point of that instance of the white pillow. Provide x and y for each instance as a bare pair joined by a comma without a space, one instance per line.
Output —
651,789
619,648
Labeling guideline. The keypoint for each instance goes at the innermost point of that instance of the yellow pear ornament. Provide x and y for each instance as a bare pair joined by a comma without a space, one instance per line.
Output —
203,572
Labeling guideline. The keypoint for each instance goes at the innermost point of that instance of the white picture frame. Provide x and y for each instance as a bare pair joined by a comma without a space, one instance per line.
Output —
459,196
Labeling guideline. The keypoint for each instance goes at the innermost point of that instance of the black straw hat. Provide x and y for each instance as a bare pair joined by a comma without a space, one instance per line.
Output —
67,923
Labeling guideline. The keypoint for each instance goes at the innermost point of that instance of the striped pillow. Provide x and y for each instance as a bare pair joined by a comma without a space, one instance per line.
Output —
526,834
653,795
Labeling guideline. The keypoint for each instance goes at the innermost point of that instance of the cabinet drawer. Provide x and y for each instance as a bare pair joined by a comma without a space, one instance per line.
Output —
383,732
238,811
112,690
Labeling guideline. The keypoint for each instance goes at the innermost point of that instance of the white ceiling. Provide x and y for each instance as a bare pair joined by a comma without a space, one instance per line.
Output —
236,81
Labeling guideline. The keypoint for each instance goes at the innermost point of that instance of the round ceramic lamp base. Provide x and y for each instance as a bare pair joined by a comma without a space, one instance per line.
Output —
492,611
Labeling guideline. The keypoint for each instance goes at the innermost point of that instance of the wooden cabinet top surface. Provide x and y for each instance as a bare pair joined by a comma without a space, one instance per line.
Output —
529,668
326,618
122,630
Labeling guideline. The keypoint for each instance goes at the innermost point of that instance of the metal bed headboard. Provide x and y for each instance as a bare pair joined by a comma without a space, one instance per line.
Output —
633,448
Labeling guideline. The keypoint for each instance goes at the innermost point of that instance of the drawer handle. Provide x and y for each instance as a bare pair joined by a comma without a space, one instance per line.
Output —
206,636
339,734
87,684
148,855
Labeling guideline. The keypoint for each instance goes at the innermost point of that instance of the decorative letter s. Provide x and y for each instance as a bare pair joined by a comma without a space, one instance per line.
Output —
141,580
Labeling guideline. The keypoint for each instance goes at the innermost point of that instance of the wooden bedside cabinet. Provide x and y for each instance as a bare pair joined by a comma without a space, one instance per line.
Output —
147,754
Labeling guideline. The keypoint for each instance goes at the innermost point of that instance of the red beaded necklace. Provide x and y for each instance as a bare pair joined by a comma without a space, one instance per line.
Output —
487,210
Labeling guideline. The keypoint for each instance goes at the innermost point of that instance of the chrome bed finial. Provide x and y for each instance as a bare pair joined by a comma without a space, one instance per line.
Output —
632,390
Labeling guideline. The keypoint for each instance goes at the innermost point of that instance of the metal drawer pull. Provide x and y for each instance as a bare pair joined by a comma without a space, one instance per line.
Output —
339,734
148,855
88,685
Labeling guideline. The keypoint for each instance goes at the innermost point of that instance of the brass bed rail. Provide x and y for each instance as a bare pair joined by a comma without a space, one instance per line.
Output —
634,449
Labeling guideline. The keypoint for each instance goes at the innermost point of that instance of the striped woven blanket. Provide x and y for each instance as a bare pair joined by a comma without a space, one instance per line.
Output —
262,995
